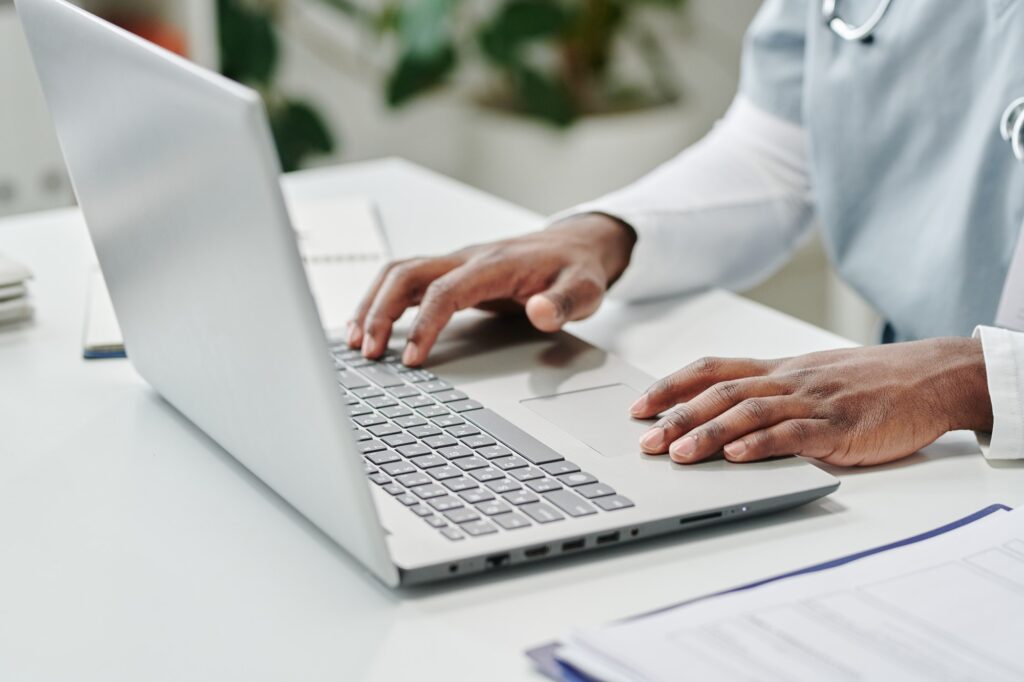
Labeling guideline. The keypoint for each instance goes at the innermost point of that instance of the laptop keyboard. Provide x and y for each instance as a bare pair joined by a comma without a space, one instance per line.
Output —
463,469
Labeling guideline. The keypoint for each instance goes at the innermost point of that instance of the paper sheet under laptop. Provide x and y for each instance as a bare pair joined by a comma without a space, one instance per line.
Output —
341,243
948,608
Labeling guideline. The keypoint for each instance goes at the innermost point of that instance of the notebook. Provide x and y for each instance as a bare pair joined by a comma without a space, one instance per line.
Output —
945,604
343,247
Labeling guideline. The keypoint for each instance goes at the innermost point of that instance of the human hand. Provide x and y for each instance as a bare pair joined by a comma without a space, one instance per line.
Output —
852,407
557,275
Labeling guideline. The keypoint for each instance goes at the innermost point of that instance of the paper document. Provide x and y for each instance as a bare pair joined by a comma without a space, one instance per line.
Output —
342,246
946,608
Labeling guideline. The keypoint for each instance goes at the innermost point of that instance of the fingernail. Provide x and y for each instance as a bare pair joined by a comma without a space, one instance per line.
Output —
353,334
639,406
653,438
411,355
736,448
684,447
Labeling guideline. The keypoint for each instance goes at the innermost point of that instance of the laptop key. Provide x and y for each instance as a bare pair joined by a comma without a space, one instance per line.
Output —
368,446
494,451
559,468
577,478
465,406
462,515
436,521
445,472
426,492
513,436
416,376
408,499
441,441
505,485
383,457
431,411
488,474
379,478
459,484
478,528
476,495
351,380
541,513
419,400
471,463
403,391
449,396
480,441
398,468
367,392
411,421
493,508
455,452
425,431
414,479
381,402
509,463
446,503
452,533
463,430
511,521
571,503
420,510
393,489
382,375
362,435
384,429
434,386
521,497
357,410
369,469
429,461
370,419
523,475
592,490
396,412
543,485
447,419
399,439
414,450
613,502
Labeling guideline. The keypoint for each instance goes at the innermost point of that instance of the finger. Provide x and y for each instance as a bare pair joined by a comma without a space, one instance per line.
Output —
574,295
464,287
692,379
403,286
712,402
355,325
753,414
807,437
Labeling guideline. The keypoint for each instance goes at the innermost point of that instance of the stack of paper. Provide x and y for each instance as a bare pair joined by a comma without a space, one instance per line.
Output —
14,301
947,605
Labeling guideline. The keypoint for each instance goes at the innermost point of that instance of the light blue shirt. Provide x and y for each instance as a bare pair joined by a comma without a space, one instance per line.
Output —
920,200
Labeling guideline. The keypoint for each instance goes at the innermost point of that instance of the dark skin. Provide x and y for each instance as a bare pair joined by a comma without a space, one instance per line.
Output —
850,407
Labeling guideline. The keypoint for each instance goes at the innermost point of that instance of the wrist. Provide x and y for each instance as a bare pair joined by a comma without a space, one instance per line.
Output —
612,239
969,405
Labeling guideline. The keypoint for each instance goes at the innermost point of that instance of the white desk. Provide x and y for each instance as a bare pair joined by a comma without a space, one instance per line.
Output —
131,548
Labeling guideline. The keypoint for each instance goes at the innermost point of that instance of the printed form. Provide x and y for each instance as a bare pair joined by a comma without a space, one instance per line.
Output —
946,608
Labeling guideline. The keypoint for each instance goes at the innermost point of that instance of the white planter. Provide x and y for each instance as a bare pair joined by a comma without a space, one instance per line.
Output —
547,168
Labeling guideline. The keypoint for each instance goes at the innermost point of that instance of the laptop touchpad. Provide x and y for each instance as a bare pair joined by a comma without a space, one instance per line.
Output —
599,417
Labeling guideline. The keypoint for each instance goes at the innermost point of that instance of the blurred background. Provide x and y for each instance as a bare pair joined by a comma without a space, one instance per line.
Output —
544,102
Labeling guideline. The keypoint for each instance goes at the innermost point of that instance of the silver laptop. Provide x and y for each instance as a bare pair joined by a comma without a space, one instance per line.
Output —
511,447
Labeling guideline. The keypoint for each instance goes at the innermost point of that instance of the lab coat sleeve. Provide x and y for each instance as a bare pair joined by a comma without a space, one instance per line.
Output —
1004,365
727,211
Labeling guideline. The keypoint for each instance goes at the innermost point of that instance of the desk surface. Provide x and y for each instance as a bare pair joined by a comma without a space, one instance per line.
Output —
134,548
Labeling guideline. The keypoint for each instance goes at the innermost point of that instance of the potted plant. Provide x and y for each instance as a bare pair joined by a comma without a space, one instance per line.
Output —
571,97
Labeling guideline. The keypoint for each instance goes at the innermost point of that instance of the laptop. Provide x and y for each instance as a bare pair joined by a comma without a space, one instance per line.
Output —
510,447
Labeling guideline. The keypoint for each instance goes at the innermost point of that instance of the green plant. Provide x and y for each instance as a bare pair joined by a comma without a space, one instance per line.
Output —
249,54
550,59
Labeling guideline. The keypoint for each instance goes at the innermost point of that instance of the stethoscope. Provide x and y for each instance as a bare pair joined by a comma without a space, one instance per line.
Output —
846,31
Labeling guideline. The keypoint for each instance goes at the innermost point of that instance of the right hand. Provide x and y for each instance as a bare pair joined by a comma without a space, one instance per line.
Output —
558,275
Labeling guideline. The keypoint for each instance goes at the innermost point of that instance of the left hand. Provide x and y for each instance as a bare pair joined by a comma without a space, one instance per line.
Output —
852,407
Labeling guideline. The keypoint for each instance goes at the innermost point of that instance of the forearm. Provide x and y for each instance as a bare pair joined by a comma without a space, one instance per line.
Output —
726,212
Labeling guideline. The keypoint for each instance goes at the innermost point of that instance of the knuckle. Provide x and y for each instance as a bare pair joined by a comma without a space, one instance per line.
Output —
706,366
754,409
726,392
678,419
796,433
440,291
665,386
712,431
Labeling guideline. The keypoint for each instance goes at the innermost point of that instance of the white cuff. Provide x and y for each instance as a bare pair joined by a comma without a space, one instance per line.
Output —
1004,362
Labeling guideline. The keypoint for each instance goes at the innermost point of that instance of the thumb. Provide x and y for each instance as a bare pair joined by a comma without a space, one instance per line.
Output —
572,296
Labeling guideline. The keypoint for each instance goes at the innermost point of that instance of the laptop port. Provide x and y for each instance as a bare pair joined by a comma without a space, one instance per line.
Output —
535,552
497,560
699,517
608,537
572,545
